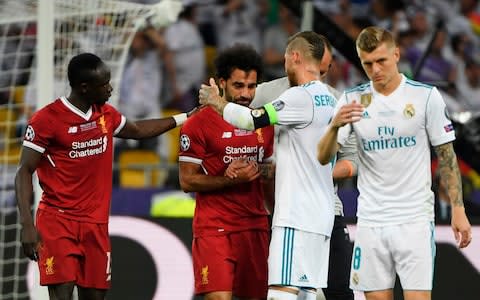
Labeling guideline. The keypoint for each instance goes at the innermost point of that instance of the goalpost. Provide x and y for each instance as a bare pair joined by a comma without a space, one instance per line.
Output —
37,39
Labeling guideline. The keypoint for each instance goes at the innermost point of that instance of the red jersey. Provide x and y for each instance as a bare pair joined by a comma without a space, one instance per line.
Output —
75,171
208,140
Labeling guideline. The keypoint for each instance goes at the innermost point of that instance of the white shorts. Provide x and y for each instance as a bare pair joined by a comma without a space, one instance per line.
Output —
379,252
298,258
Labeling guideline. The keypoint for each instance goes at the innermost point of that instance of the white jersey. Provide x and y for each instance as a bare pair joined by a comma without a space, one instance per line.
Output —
393,141
304,195
268,91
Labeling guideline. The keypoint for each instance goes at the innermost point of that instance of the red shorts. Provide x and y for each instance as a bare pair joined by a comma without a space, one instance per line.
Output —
234,262
73,251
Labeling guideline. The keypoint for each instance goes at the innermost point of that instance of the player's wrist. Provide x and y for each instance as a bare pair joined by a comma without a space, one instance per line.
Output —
27,224
180,118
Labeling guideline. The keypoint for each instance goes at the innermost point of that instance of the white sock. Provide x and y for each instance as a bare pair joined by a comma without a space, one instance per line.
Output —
280,295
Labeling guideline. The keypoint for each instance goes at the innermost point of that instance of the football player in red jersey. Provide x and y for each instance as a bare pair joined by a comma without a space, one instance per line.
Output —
230,225
69,144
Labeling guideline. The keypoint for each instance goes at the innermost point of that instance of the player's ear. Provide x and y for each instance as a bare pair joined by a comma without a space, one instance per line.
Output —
83,87
221,86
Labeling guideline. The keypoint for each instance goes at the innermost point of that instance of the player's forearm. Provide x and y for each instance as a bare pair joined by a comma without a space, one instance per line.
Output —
205,183
239,116
268,186
246,118
450,173
327,147
143,129
24,194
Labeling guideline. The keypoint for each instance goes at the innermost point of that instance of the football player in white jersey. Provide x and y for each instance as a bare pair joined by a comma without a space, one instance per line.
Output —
304,195
395,120
345,167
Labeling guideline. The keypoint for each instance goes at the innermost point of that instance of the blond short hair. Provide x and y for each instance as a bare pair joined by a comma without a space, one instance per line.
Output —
370,38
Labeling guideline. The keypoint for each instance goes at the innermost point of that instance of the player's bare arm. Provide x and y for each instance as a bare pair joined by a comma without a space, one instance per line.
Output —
328,146
24,194
267,177
451,178
193,178
153,127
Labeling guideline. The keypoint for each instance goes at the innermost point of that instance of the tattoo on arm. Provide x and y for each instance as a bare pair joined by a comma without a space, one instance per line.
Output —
267,170
450,173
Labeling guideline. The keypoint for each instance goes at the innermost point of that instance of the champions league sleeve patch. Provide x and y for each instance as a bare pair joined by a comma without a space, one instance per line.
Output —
448,127
184,142
278,105
29,133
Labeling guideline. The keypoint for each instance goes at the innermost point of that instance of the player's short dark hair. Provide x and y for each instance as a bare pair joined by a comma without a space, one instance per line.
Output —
82,67
238,56
310,43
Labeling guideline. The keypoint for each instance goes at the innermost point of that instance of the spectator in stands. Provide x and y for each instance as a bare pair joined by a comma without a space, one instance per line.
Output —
469,90
419,25
436,69
275,39
389,14
240,21
15,56
462,50
142,82
184,41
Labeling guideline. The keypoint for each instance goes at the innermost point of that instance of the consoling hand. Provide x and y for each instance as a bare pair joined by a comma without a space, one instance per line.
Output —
210,95
349,113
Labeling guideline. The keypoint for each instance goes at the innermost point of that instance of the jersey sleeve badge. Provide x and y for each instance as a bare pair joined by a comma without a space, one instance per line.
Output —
184,142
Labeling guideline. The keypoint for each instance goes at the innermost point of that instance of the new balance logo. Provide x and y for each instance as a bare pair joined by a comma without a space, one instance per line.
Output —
303,278
227,135
72,129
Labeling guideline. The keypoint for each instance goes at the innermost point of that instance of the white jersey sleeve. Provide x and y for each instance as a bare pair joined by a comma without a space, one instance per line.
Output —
293,107
439,126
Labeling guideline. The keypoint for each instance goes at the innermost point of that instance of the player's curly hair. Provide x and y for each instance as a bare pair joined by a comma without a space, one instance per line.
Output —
238,56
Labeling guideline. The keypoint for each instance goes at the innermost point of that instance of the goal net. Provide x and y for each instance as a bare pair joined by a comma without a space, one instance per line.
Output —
102,27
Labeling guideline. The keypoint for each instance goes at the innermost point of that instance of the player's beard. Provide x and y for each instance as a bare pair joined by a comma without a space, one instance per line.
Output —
240,100
292,78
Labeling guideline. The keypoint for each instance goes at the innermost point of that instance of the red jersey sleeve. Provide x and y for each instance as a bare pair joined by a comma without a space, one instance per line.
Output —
40,130
192,141
118,119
